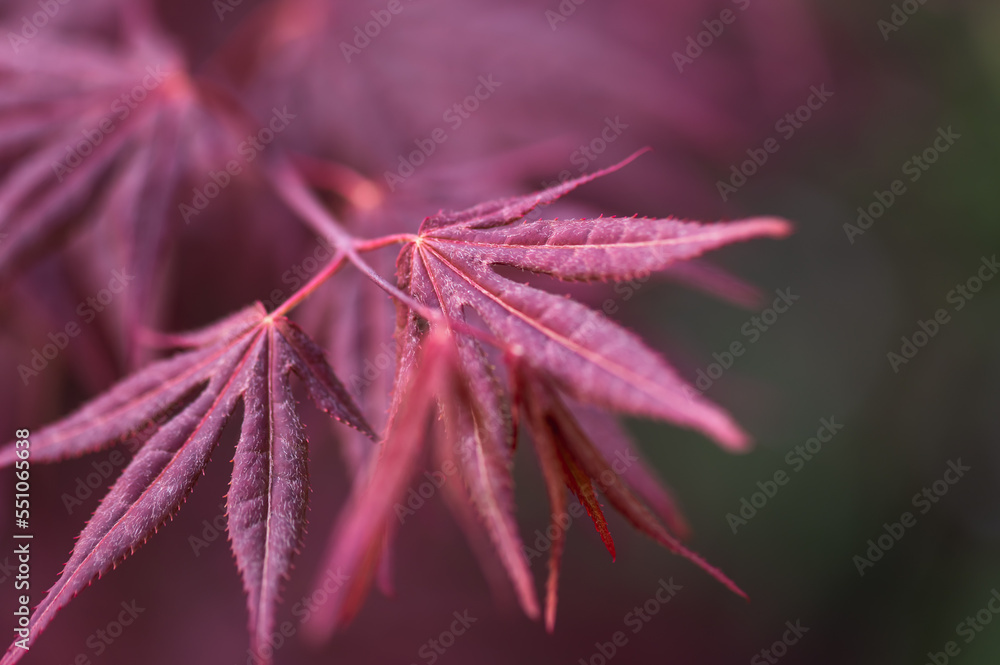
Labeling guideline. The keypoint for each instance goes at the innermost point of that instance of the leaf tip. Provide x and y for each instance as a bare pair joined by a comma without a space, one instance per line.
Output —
775,227
550,620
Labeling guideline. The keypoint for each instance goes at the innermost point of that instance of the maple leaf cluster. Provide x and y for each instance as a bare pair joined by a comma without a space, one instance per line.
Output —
479,357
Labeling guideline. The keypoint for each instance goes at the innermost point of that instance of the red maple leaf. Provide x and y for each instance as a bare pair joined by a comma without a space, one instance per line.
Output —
483,351
553,348
184,403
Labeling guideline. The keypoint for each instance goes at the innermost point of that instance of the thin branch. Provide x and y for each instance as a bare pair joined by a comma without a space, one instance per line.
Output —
333,266
294,192
362,246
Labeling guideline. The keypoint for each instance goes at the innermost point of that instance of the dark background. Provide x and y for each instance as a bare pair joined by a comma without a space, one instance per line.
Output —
825,358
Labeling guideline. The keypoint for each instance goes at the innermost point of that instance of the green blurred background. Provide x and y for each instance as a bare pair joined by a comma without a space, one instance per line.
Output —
827,357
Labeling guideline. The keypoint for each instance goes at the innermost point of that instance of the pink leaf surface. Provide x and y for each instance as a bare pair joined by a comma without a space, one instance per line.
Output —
475,351
188,399
551,346
592,358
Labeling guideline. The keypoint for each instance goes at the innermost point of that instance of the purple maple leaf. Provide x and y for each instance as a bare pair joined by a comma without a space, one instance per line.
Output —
186,401
553,349
525,356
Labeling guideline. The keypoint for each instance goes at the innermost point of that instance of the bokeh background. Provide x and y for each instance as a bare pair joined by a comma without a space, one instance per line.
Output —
566,70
